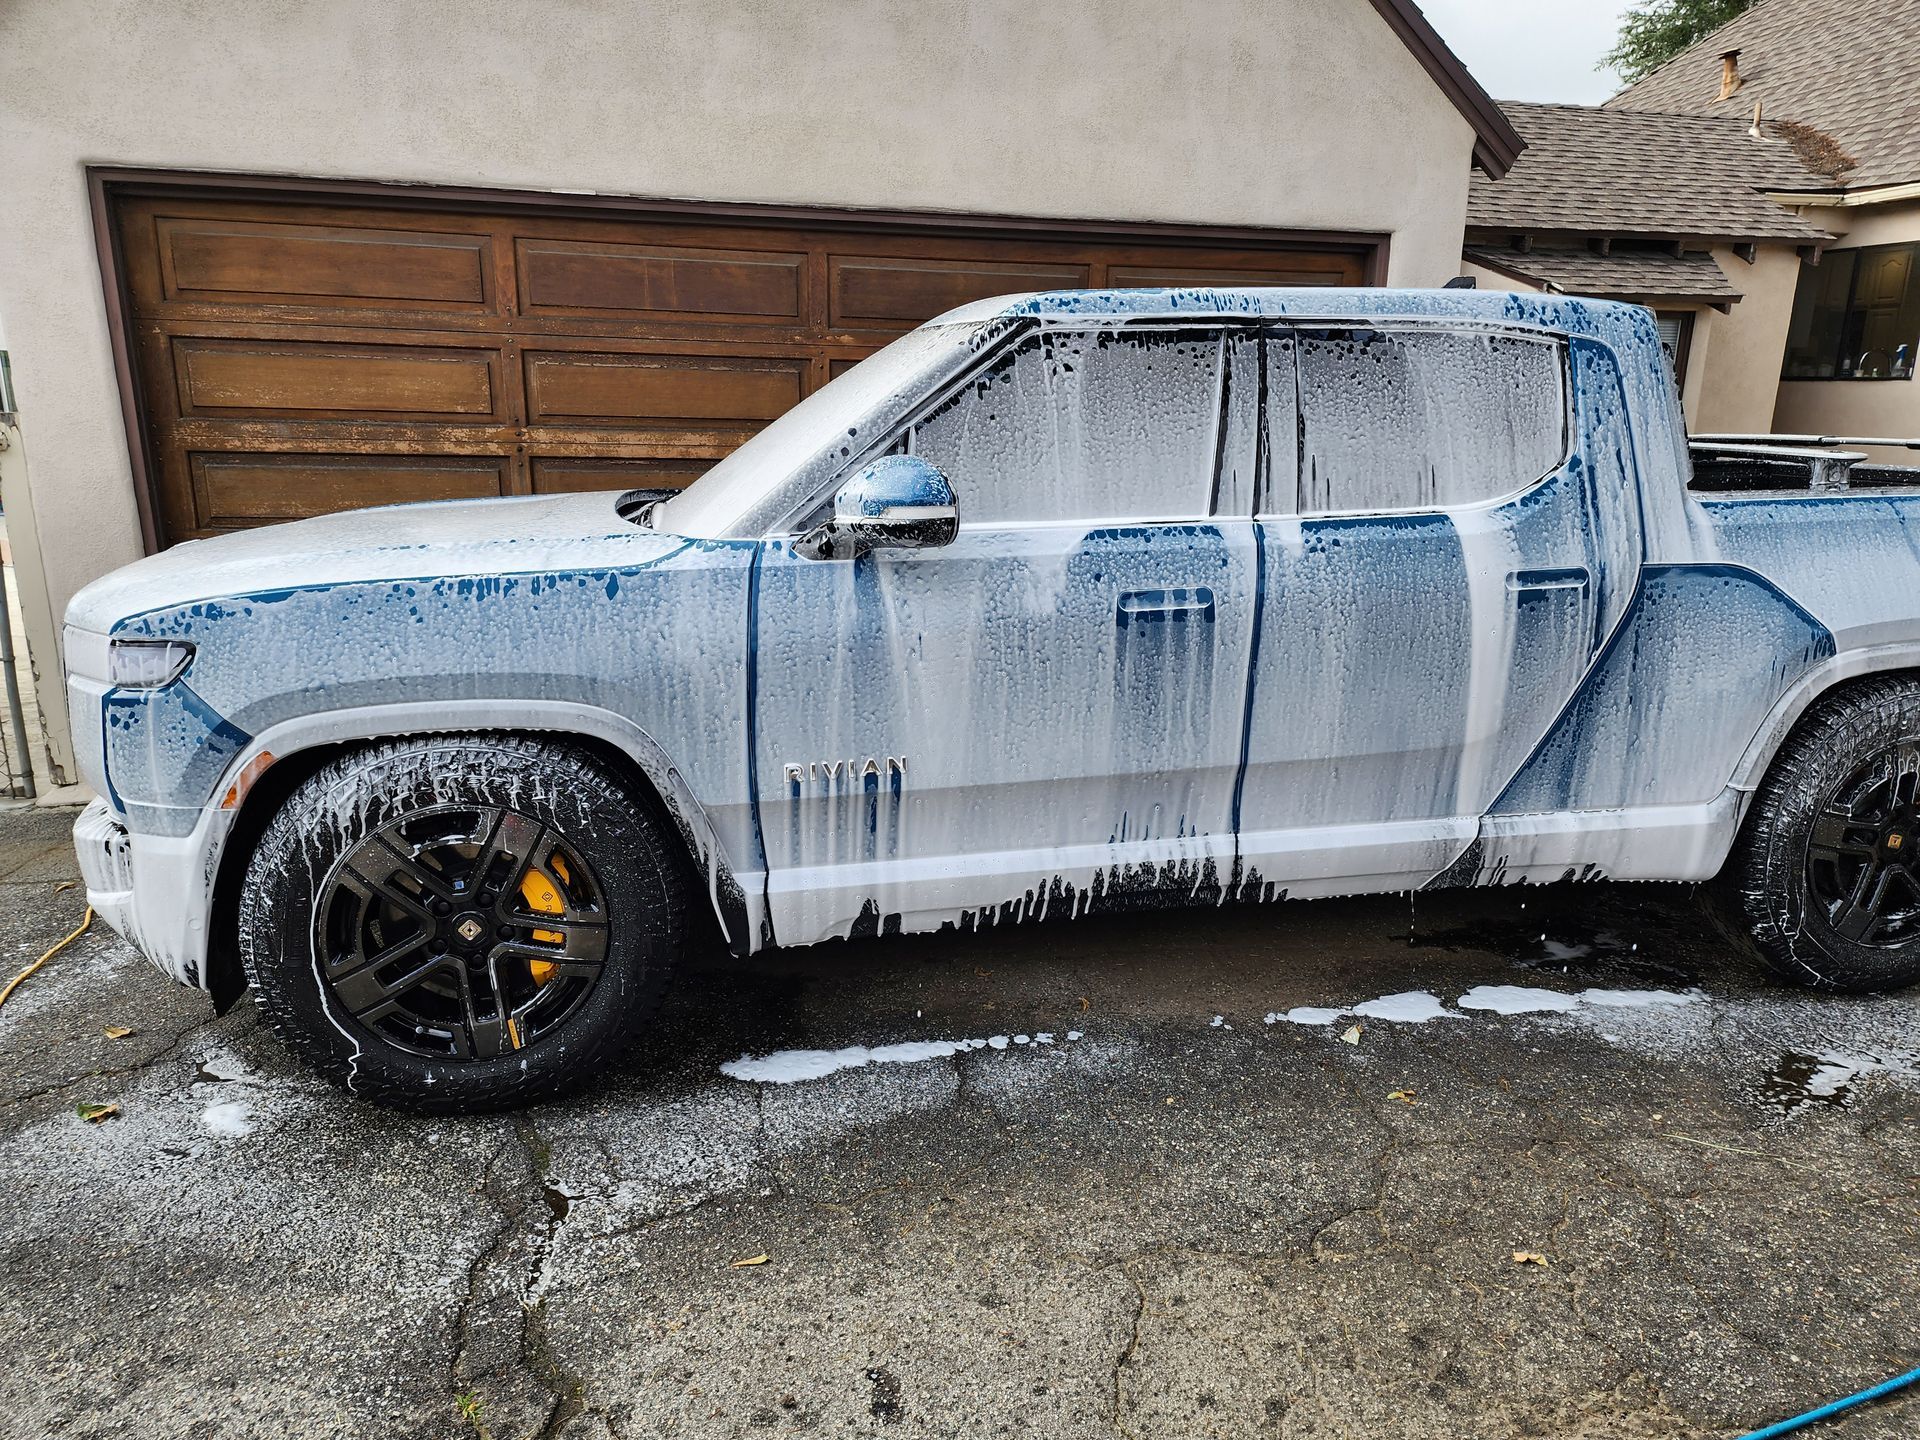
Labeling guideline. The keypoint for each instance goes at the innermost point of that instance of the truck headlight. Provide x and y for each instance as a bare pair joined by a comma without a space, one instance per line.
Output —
146,664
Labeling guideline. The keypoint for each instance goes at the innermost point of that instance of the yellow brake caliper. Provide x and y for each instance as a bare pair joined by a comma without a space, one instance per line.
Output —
543,898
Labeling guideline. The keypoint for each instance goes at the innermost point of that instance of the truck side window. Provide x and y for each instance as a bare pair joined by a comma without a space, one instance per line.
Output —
1083,425
1413,420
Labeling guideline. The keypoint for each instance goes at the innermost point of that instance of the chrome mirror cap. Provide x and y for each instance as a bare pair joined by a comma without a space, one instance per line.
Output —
899,502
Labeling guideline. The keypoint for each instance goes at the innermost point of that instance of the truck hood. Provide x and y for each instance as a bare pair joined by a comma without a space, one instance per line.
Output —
511,536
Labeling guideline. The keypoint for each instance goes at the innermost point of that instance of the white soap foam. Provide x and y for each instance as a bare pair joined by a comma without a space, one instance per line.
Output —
1409,1007
1638,999
1309,1015
229,1119
1517,1000
788,1067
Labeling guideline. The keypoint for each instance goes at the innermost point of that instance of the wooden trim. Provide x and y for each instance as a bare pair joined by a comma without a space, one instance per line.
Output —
113,286
1497,144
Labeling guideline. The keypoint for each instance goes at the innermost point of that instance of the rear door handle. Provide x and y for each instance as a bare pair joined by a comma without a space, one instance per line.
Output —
1572,577
1159,607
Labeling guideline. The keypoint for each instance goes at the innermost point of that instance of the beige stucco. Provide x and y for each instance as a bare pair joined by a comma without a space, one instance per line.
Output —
1888,408
1290,113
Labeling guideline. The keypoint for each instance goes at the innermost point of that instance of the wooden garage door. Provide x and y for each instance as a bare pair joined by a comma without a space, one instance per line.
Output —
297,358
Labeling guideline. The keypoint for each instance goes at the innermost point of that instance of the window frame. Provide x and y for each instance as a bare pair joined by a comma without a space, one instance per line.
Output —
1395,325
1854,256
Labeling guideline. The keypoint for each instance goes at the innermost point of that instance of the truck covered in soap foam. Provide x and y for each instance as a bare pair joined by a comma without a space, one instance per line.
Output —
1062,602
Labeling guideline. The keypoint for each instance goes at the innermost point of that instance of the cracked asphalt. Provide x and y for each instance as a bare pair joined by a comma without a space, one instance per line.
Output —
1167,1227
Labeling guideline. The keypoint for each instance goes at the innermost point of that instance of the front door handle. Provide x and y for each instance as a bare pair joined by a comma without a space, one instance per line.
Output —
1159,607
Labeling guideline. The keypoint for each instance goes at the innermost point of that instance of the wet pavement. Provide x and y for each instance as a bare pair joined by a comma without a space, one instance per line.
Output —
1139,1207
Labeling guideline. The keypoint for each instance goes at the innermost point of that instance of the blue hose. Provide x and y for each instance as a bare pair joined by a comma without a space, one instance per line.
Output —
1885,1387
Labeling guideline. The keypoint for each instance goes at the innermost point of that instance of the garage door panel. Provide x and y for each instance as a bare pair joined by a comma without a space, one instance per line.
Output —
553,474
899,293
254,263
658,390
315,379
296,356
564,277
233,491
1307,270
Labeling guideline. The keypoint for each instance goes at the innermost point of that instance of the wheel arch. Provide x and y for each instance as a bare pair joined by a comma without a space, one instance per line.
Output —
1819,684
301,748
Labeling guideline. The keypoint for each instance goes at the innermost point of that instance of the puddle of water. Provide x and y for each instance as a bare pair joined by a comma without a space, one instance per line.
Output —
1800,1080
1563,946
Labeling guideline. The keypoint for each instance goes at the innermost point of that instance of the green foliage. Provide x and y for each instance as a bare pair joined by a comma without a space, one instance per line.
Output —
1654,31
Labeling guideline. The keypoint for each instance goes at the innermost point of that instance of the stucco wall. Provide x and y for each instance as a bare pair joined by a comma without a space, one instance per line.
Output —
1857,407
1741,367
1297,113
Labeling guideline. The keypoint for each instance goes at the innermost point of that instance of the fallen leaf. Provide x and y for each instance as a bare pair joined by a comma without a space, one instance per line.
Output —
65,885
1085,1004
1351,1034
1405,1097
750,1261
1528,1257
93,1113
117,1032
1172,1100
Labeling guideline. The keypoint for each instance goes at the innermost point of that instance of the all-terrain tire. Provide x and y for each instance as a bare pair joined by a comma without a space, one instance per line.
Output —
629,849
1768,898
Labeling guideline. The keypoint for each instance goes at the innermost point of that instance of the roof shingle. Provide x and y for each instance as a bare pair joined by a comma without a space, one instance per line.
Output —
1629,172
1849,69
1622,275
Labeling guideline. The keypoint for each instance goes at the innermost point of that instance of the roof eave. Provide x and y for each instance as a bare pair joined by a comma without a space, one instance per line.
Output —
1497,144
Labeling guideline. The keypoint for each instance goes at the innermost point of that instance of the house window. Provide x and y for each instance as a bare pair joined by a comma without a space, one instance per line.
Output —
1856,316
1676,336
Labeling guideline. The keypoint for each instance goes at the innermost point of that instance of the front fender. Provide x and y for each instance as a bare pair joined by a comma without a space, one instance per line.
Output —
194,862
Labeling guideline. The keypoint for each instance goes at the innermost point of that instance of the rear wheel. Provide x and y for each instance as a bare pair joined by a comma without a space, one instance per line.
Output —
462,923
1826,879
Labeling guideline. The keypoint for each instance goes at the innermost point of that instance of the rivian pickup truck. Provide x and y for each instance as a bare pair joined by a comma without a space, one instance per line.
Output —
1060,603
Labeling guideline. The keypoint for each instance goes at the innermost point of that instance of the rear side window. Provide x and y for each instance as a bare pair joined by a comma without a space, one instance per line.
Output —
1083,425
1416,420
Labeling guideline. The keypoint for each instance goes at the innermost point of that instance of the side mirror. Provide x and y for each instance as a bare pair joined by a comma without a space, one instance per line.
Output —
899,502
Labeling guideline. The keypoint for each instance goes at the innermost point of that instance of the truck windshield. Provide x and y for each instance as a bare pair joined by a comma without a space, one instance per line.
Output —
779,469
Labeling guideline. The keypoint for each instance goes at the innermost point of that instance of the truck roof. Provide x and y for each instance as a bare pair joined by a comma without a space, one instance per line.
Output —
1571,314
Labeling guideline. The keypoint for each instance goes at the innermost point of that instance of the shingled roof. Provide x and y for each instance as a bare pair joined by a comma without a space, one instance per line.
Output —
1617,275
1592,171
1847,70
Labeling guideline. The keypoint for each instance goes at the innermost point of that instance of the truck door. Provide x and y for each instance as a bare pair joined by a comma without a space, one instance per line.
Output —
1449,532
1048,710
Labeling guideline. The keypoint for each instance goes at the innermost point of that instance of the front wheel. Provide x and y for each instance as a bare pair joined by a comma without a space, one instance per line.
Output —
1826,880
461,923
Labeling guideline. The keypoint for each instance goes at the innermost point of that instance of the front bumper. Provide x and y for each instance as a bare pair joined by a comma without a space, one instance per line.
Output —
156,890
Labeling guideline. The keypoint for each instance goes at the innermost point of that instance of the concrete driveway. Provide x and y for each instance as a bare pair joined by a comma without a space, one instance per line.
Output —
1169,1217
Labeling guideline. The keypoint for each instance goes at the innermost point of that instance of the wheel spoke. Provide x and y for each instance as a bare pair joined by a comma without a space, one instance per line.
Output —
382,865
362,990
1833,834
1857,916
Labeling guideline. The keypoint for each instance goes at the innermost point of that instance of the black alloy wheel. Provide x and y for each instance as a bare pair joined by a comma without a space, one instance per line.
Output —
460,932
1863,848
